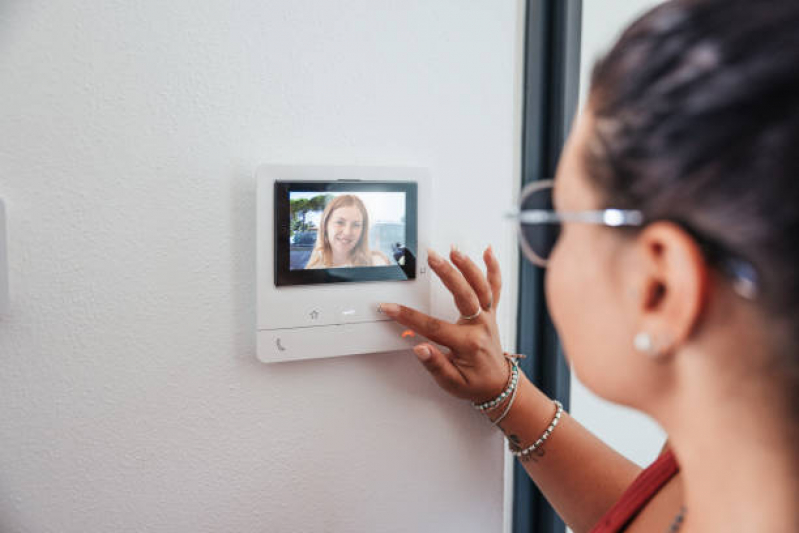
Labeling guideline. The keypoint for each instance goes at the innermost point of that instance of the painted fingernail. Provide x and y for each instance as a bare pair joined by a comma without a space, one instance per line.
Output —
433,258
422,352
388,309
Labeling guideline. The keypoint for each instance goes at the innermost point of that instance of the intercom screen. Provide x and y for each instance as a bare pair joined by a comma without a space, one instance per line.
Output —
336,231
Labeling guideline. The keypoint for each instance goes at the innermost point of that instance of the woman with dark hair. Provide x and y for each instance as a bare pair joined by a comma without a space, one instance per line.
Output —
671,279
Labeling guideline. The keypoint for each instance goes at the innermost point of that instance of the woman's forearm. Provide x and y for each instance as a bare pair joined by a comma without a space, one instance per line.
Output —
579,474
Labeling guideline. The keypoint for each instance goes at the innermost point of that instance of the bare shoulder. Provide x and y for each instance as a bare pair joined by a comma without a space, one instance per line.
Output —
661,510
315,262
379,258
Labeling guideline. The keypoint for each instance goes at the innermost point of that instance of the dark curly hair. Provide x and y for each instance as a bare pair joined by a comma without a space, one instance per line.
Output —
696,113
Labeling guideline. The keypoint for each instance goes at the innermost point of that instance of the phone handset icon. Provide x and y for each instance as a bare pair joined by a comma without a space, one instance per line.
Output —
279,346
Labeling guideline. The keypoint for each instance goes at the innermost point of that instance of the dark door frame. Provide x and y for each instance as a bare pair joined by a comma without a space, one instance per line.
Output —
551,89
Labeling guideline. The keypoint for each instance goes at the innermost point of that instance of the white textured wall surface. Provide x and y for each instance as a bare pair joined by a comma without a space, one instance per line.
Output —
131,397
635,435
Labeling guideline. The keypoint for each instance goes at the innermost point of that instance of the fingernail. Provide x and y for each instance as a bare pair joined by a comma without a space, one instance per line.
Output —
422,352
455,252
388,309
433,258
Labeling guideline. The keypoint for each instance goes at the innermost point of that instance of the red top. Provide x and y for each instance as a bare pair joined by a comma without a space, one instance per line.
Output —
635,498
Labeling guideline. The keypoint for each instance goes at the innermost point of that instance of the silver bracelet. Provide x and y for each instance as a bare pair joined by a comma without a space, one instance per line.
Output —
518,452
507,408
512,382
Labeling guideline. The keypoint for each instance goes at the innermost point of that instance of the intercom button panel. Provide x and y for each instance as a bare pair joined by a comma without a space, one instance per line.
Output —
329,341
333,242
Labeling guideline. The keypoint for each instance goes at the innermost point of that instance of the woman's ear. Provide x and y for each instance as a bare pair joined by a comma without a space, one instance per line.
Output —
672,287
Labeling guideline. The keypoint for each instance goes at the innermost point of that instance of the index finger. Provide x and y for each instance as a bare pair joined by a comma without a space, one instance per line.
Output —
494,274
434,329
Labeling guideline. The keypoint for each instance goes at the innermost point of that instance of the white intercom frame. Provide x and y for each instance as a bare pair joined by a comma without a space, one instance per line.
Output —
335,319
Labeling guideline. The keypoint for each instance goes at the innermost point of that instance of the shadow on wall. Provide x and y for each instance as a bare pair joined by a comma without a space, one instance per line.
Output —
242,246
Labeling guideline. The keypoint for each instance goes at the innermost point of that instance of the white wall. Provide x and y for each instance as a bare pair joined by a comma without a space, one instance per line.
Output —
635,435
131,397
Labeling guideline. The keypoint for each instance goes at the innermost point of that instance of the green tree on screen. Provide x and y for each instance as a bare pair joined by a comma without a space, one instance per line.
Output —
300,207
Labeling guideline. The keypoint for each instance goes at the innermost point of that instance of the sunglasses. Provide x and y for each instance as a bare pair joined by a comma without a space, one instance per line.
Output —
539,224
539,227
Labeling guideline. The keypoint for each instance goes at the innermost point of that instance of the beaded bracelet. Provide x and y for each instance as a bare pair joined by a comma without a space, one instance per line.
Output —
513,380
519,452
507,408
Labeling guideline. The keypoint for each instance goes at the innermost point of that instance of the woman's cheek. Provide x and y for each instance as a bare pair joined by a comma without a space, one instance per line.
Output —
557,292
568,289
576,287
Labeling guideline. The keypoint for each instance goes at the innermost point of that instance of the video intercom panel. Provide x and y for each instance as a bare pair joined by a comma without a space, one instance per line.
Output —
334,242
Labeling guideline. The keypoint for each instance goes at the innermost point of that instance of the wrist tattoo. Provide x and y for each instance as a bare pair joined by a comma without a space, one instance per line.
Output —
534,456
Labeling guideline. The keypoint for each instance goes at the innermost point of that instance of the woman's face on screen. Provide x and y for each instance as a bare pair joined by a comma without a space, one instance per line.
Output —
344,229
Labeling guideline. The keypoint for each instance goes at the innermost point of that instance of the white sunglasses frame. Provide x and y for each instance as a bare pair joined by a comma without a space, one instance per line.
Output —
603,217
745,279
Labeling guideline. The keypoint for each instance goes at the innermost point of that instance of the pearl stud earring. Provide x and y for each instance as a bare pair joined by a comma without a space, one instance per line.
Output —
646,343
643,342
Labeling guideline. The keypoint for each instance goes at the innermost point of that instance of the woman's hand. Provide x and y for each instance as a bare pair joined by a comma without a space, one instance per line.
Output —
474,367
